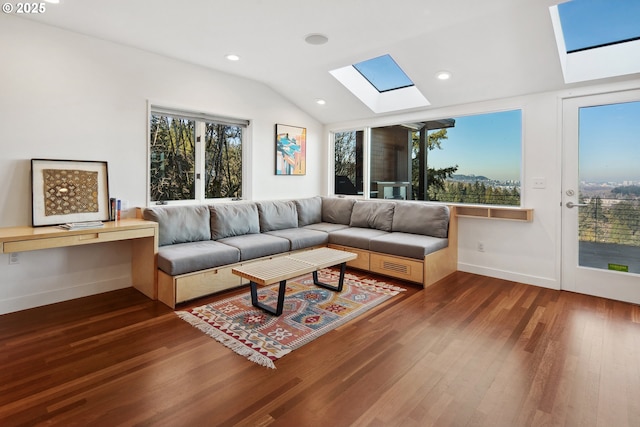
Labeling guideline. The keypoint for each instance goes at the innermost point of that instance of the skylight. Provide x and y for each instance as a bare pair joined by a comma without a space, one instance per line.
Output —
597,38
588,24
381,85
383,73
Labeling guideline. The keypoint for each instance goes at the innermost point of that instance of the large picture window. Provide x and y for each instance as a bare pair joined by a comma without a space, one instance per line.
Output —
194,157
472,159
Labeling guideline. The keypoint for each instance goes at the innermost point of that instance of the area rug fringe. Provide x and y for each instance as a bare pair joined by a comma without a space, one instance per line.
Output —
226,340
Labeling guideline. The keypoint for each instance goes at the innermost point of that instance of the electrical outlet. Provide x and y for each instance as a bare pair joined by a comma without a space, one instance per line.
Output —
480,247
14,258
539,183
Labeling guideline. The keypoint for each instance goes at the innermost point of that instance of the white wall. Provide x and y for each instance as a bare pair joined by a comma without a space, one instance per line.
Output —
67,96
524,252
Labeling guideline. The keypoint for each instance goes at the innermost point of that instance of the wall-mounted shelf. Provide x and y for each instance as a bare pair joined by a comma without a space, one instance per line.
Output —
512,214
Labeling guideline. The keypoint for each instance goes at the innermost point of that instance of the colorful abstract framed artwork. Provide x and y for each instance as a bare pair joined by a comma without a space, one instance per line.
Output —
65,191
291,149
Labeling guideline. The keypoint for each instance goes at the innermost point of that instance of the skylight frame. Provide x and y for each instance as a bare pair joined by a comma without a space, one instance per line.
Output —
404,98
607,61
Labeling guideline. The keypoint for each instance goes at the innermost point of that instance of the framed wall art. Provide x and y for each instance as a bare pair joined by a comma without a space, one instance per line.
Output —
64,191
291,149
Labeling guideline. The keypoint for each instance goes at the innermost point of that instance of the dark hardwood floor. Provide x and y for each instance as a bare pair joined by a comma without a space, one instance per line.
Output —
468,351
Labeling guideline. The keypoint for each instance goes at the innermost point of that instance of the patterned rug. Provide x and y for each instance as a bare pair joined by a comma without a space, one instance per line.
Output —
309,311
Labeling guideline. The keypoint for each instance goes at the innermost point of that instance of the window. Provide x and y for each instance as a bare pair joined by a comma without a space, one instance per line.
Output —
194,156
473,159
348,149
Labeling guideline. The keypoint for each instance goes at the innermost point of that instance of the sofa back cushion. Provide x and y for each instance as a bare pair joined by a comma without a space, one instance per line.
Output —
309,210
277,215
337,210
421,218
180,224
378,215
233,219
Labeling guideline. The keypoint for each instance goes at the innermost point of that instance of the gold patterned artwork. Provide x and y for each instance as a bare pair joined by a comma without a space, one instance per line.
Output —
70,191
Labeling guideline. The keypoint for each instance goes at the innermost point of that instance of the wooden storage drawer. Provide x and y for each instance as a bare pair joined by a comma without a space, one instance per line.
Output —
204,283
401,268
362,262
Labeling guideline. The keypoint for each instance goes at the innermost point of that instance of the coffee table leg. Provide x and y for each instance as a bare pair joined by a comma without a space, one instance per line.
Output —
281,291
338,288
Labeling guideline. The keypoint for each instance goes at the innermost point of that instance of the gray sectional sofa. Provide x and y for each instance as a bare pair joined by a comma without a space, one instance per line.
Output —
198,245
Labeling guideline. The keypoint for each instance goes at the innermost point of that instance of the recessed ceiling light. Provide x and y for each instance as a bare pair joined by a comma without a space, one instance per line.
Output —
443,75
316,39
232,57
321,101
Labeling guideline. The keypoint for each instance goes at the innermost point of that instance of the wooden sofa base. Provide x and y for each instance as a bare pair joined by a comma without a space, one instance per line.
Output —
434,267
173,290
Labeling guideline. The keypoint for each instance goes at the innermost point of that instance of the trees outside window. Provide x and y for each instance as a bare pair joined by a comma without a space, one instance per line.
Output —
194,158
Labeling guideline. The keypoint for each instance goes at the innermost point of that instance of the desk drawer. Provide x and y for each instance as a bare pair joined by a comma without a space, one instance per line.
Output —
86,238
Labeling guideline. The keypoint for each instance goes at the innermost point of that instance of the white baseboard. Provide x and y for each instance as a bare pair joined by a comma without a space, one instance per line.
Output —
543,282
24,302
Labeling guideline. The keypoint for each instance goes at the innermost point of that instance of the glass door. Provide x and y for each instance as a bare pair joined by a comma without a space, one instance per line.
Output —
601,195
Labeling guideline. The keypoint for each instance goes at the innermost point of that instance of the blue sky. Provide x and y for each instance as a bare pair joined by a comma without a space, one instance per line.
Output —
485,144
490,144
588,23
383,73
610,143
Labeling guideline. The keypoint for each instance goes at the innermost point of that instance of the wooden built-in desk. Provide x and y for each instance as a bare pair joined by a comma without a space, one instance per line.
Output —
142,234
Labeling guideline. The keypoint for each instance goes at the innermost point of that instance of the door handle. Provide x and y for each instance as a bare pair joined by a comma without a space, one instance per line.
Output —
571,205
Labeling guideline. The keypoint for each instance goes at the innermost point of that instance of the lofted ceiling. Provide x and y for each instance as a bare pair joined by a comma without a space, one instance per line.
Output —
493,48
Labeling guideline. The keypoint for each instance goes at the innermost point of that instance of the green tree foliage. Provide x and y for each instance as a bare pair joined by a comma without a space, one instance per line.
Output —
627,191
610,221
223,161
435,177
345,154
172,158
475,193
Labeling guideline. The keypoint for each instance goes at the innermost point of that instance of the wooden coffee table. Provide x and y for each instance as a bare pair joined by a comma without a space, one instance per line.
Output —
280,269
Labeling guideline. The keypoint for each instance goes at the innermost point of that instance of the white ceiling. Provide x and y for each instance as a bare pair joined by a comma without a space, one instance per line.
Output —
493,48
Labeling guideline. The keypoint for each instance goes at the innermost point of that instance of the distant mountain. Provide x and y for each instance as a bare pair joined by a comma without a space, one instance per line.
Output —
469,178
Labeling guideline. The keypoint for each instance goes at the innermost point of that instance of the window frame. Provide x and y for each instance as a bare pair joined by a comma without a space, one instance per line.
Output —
367,128
200,118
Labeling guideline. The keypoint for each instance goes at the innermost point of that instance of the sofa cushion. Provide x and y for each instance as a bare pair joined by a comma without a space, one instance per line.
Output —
228,220
421,218
337,210
194,256
309,210
326,227
277,215
257,245
179,224
407,245
301,238
354,236
377,215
